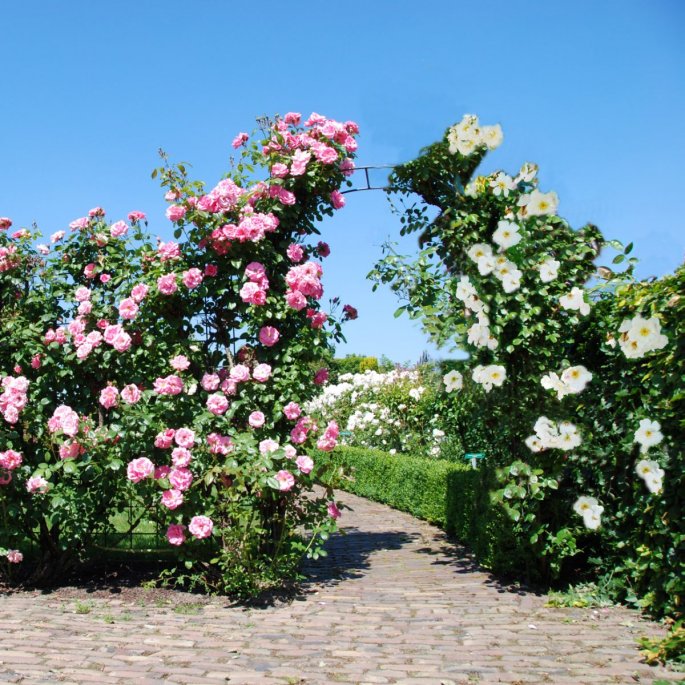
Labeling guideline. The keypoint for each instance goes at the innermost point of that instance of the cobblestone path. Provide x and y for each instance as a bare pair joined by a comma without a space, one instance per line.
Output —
395,602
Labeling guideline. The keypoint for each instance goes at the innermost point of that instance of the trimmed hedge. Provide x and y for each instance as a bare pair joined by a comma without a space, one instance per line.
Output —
450,494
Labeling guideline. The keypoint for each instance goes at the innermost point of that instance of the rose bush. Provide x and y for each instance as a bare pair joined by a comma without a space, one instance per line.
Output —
562,392
158,373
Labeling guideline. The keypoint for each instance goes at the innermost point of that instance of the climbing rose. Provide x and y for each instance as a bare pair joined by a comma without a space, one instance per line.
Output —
131,394
286,480
201,527
37,484
217,404
175,534
292,410
109,397
192,278
262,373
139,469
172,499
180,362
304,463
14,556
256,419
167,284
333,510
185,437
268,336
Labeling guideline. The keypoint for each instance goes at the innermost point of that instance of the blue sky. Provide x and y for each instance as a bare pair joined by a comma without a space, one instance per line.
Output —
593,91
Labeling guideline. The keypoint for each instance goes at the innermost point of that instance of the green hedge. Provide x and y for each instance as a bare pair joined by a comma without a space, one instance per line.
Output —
452,495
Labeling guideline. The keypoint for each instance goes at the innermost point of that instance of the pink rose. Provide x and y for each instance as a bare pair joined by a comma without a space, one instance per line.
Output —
171,385
180,478
333,510
139,292
268,336
256,419
292,118
337,199
279,170
172,499
185,438
14,556
181,457
135,215
267,446
175,212
180,362
286,480
217,404
5,223
262,373
253,294
131,394
105,278
167,284
304,463
139,469
295,253
239,140
109,397
128,309
162,472
175,534
296,300
122,341
211,270
292,410
69,450
118,229
37,484
165,439
321,376
85,308
240,373
201,527
210,382
36,361
82,294
290,451
192,278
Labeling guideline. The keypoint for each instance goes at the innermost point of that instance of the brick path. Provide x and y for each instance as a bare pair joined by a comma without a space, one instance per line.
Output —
395,603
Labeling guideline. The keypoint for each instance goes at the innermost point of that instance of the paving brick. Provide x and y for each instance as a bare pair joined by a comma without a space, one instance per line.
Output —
394,602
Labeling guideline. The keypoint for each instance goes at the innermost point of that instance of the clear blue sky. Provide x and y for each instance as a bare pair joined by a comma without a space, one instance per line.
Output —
591,90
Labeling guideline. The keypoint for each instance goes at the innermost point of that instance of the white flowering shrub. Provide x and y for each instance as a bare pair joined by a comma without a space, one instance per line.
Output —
392,411
561,386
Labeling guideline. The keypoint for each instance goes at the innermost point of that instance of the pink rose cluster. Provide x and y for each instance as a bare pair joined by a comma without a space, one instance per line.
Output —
251,227
200,527
303,281
302,429
37,484
170,385
9,460
219,444
13,398
58,336
254,291
64,419
222,198
329,439
9,259
181,441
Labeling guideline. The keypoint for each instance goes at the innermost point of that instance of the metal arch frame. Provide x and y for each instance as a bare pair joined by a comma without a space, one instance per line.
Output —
368,186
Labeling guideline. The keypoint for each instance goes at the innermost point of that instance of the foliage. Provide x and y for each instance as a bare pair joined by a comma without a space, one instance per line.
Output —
500,275
668,650
447,493
168,376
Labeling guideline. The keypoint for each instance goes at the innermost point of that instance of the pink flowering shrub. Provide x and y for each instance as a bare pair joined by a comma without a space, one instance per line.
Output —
171,374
